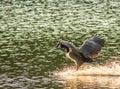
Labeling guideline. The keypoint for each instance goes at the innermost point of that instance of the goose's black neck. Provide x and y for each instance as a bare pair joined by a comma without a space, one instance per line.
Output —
67,49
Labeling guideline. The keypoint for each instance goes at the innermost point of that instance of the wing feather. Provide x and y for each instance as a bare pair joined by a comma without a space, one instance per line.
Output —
92,47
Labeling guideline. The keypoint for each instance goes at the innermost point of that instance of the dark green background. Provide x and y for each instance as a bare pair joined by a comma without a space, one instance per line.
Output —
28,33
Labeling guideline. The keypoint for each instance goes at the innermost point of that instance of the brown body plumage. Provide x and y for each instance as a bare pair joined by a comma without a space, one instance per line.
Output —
90,49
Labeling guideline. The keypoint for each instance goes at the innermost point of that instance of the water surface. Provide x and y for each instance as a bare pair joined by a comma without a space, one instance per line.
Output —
28,32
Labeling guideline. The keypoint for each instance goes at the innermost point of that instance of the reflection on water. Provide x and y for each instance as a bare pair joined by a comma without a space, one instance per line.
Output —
93,82
89,76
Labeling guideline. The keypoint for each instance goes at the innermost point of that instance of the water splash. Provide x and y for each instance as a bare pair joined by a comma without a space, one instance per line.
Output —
108,69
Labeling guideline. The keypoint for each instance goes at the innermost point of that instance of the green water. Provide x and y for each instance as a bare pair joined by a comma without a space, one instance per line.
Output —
28,32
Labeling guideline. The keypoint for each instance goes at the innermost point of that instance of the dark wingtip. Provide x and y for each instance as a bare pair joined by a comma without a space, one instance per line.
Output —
97,35
98,38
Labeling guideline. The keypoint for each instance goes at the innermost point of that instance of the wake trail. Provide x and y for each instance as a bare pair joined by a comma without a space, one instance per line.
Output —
108,69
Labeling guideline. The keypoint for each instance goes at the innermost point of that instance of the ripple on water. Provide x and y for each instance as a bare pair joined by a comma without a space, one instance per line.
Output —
17,82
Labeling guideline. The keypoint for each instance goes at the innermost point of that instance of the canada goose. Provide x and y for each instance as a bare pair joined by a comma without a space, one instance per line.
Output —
89,49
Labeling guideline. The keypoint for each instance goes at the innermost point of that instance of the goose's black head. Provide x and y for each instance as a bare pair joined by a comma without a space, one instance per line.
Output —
64,44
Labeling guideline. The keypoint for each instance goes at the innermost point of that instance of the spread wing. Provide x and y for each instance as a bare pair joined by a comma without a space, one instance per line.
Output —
92,47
